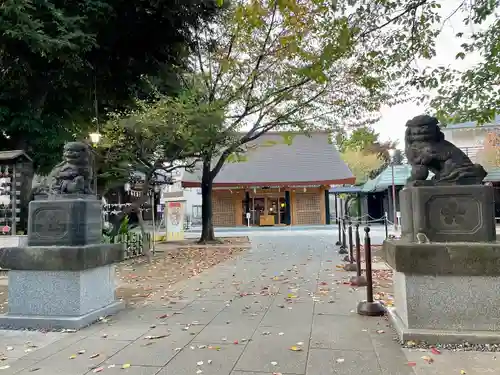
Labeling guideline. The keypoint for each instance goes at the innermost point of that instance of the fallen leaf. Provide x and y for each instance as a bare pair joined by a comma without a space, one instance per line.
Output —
72,356
435,351
99,369
209,361
4,367
462,372
199,363
427,359
296,348
340,360
156,337
94,356
274,363
126,365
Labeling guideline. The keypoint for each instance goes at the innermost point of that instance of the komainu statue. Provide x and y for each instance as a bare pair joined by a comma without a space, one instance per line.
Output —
428,151
73,174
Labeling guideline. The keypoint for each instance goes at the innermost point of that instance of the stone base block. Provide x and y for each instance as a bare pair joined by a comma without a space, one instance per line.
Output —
13,321
439,336
461,213
447,307
443,258
61,293
65,221
60,258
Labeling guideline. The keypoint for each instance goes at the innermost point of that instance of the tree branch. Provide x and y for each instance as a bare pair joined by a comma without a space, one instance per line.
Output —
391,20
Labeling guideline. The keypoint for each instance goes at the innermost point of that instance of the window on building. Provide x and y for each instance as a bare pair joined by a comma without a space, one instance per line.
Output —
196,212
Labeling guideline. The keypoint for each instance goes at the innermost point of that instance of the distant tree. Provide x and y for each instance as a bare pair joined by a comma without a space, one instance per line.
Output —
154,139
361,164
65,63
489,156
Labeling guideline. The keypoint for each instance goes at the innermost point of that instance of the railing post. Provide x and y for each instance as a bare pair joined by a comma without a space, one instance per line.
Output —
339,242
385,225
369,307
343,246
359,279
350,266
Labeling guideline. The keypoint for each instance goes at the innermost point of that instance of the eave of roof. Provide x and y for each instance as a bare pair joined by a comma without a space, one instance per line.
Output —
193,184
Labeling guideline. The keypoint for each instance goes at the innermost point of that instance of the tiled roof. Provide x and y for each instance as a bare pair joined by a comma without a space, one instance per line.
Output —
13,154
270,161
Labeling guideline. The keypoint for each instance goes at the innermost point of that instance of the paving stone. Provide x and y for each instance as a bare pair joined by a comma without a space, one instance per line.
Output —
60,362
340,332
342,362
265,349
16,365
66,340
289,313
121,331
156,352
188,361
226,333
132,370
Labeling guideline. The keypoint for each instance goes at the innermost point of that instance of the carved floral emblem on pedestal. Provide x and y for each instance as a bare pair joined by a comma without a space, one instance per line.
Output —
453,213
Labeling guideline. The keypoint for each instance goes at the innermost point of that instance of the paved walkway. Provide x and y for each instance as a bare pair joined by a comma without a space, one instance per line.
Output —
281,308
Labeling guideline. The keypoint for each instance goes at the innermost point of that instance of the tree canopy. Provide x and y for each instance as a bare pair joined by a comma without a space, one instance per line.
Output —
292,65
62,64
471,94
361,164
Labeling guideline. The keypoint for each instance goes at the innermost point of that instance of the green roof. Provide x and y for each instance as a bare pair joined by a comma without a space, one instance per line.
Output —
493,175
384,180
401,173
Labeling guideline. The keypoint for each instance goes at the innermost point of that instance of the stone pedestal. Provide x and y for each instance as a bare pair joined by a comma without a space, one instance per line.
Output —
446,291
64,277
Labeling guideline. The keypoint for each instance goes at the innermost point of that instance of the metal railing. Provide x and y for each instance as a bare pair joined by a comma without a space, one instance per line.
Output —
135,243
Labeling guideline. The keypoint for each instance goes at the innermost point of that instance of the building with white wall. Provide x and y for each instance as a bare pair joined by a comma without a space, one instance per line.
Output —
191,195
470,138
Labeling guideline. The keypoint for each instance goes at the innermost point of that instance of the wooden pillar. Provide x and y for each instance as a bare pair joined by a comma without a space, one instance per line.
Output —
293,201
322,204
237,201
327,206
288,212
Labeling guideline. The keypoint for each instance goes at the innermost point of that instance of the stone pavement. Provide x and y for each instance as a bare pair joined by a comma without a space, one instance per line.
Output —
281,308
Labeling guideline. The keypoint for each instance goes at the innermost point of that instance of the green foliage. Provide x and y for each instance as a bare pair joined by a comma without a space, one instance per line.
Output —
360,139
57,58
361,163
471,94
153,138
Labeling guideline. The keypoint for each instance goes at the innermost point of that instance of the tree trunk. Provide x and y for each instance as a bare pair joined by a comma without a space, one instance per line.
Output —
144,244
207,230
